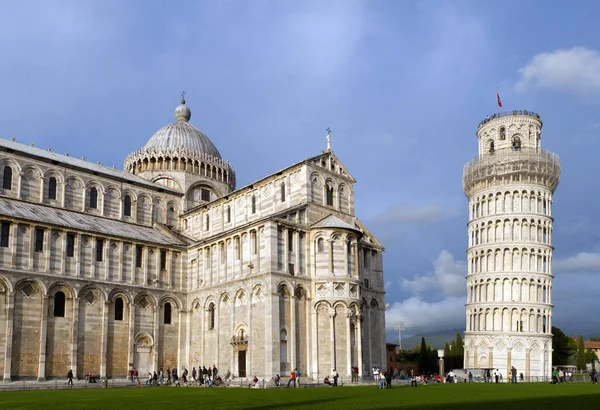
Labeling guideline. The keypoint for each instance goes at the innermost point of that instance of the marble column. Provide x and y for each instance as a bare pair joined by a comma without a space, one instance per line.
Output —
156,335
359,337
43,336
293,359
131,344
332,337
77,255
103,356
330,256
75,337
10,314
349,345
527,362
508,361
314,345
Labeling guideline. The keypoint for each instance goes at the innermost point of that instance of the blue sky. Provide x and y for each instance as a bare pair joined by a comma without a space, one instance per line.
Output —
402,84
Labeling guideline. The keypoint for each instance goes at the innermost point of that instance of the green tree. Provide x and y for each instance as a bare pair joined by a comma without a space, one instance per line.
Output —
564,347
423,355
453,356
460,352
581,354
591,357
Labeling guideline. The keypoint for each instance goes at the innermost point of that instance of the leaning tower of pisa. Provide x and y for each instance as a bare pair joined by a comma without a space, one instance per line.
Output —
509,281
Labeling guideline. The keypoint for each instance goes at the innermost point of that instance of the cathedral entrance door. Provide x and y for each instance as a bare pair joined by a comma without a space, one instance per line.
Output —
241,363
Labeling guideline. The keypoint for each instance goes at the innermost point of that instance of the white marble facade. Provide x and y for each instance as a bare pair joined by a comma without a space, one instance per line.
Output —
509,282
167,264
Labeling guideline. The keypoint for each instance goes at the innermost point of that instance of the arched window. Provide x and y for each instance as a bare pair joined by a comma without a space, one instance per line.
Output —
119,309
491,147
52,188
207,223
211,316
93,198
320,245
127,205
7,178
228,218
167,320
502,133
283,192
329,195
59,304
253,204
516,144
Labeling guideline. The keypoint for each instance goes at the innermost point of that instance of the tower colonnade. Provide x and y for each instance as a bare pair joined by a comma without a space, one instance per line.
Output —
509,275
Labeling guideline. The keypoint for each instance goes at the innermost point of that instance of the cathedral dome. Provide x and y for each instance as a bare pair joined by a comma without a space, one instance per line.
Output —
181,136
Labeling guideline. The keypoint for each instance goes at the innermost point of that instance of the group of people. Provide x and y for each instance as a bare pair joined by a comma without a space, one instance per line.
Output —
335,376
203,376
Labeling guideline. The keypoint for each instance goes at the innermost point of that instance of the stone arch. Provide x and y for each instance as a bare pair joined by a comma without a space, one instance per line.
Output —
257,294
175,301
61,286
241,297
5,284
34,282
149,299
284,289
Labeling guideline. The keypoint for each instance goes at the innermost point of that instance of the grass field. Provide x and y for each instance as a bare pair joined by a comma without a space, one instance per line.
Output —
448,396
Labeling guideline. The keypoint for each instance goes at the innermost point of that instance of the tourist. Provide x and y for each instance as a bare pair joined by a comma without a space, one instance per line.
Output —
470,377
413,378
298,377
161,377
513,374
194,374
70,377
277,380
228,375
388,379
326,381
168,375
354,371
497,376
135,375
381,382
335,375
292,378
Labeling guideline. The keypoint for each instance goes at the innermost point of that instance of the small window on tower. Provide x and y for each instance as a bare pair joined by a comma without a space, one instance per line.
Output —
491,147
502,133
516,144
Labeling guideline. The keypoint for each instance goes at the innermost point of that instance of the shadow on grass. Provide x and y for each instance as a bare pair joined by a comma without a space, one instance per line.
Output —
294,404
543,403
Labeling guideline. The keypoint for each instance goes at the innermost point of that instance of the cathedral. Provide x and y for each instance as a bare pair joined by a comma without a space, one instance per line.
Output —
166,264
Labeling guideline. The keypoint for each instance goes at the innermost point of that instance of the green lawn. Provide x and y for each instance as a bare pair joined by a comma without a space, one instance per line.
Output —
448,396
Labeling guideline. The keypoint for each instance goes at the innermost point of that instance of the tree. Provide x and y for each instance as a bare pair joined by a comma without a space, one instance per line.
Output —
453,357
460,352
423,356
591,357
564,347
594,338
581,364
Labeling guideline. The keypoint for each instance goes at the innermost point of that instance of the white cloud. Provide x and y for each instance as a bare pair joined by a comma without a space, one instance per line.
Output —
448,276
575,70
582,262
403,213
419,315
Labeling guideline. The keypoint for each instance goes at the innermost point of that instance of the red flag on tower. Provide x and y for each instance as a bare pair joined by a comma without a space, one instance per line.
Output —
498,98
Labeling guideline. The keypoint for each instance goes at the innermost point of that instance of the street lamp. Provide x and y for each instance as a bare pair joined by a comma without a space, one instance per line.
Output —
399,326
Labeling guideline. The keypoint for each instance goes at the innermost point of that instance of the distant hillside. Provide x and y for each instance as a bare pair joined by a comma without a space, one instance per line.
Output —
433,339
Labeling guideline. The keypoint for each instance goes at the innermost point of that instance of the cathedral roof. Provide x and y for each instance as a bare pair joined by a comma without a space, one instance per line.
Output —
333,222
75,220
72,162
181,136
